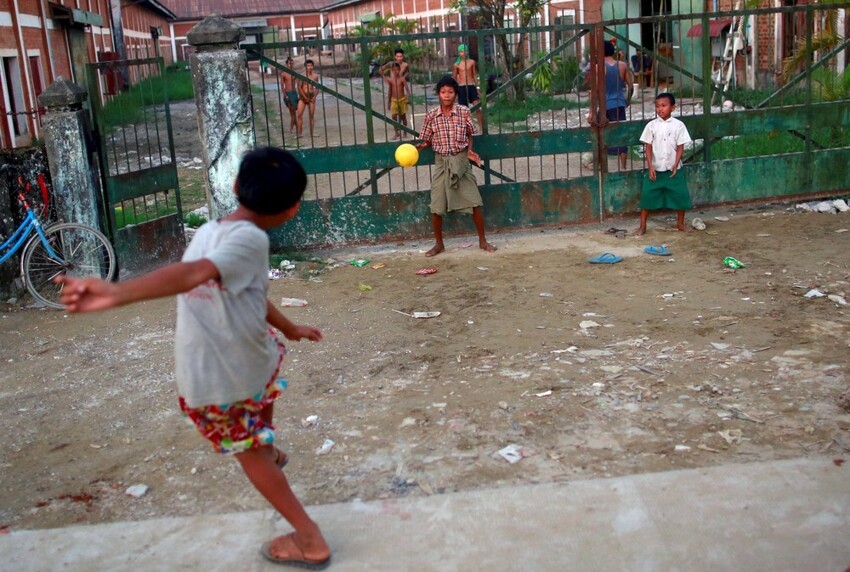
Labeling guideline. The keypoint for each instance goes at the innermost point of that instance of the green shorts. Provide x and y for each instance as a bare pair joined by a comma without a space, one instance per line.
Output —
665,192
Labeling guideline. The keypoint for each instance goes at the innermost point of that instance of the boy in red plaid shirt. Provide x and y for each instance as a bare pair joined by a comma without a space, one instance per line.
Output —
448,130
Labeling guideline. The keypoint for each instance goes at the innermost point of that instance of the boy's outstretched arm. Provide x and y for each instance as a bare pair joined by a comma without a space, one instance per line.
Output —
290,330
91,294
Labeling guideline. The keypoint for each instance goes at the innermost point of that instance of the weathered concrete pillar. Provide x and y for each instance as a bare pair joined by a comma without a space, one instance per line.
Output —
223,96
75,186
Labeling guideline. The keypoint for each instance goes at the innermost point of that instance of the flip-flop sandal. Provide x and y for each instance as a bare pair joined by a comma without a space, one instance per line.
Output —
265,551
605,258
657,250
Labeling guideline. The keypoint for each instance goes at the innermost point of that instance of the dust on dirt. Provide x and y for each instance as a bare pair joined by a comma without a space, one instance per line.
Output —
651,364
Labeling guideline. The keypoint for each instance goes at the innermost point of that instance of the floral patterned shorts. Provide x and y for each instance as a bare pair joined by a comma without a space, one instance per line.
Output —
238,427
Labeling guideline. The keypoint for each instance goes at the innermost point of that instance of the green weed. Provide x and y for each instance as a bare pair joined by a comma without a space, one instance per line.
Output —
194,220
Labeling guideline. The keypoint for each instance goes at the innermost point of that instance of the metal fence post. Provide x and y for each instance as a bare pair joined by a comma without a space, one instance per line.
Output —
223,96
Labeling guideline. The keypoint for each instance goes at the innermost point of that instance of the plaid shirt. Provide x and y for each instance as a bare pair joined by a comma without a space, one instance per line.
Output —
448,135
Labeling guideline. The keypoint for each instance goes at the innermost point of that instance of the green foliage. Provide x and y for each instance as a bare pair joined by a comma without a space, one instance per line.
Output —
831,85
386,27
129,106
541,78
194,220
567,76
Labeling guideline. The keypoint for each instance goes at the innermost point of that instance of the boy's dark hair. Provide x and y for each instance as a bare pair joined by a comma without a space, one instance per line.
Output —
446,80
668,96
609,49
399,51
309,62
270,181
396,65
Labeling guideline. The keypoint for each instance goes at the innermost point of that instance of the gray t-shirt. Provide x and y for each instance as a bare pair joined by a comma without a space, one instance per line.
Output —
224,351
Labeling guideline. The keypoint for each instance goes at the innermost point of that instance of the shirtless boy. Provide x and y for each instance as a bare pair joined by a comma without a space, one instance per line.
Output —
465,73
398,96
290,94
398,58
307,98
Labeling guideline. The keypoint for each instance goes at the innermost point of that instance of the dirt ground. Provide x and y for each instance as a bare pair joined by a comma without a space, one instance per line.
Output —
652,364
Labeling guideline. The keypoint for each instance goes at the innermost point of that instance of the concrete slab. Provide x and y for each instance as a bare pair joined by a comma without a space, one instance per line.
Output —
784,515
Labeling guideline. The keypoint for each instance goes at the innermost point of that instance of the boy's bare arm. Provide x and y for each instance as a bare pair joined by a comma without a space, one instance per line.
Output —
648,151
290,330
91,294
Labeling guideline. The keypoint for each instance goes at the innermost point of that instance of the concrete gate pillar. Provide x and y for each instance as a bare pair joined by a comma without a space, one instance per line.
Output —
223,97
76,191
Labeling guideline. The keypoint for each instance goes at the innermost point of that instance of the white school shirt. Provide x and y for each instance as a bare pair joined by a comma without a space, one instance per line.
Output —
224,352
665,137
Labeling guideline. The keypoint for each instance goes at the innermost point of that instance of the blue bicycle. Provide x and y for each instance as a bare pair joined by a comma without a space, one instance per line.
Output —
64,248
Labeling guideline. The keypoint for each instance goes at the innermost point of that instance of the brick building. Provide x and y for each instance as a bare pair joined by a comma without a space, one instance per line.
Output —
40,41
263,20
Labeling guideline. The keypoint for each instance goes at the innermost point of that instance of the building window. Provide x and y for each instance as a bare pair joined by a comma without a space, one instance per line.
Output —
565,18
14,93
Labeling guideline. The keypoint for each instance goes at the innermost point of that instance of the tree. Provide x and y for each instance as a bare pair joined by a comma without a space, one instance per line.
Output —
824,39
385,28
491,13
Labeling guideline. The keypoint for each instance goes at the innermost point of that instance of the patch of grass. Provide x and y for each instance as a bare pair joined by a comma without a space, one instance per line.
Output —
507,110
129,107
775,143
749,98
137,216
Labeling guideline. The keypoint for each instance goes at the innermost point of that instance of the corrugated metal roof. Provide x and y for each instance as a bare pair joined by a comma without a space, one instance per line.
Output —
198,9
715,28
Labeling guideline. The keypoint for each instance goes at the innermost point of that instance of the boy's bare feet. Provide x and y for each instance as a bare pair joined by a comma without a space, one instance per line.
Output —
486,246
684,228
435,250
297,548
639,232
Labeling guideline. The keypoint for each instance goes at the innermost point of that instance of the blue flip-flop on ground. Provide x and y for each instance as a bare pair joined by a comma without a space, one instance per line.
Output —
605,258
657,250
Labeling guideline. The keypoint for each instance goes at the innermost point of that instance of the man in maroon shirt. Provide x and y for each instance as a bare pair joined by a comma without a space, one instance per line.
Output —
448,131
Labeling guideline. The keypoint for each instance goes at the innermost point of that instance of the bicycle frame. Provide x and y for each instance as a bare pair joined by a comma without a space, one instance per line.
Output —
22,233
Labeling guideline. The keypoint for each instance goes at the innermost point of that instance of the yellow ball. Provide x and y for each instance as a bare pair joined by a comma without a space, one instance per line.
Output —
406,155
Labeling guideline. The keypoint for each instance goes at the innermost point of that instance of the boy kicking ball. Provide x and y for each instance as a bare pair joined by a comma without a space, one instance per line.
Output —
664,185
227,356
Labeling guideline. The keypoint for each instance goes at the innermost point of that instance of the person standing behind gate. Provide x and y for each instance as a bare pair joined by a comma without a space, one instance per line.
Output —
448,130
398,58
465,73
307,93
397,105
664,185
619,87
290,94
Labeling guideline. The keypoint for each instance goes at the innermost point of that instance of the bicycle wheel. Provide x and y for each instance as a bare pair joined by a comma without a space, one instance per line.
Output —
82,252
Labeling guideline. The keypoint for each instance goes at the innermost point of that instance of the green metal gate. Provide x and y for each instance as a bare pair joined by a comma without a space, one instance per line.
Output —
544,164
129,103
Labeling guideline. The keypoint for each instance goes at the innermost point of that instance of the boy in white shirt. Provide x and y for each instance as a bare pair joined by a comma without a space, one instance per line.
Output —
664,186
227,355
